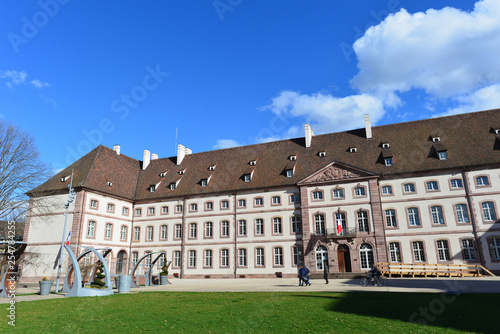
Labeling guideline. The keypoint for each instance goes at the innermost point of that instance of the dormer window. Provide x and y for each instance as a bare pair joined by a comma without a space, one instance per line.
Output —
497,131
385,145
353,149
247,177
443,155
211,168
252,162
436,139
182,171
172,186
163,174
204,182
322,154
289,173
388,161
109,183
65,178
292,157
152,188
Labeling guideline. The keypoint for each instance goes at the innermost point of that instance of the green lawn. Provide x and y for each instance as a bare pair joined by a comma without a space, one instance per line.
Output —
258,312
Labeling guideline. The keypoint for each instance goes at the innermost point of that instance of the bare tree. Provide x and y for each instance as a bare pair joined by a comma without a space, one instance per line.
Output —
20,170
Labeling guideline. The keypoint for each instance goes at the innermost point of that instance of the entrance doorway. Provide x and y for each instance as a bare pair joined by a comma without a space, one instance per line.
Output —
344,259
120,260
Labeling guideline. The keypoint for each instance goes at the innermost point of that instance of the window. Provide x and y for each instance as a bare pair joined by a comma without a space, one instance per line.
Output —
163,232
178,208
388,161
319,223
494,244
321,255
149,234
292,157
443,250
363,224
242,203
462,214
135,258
386,190
366,256
123,233
259,226
252,162
338,193
409,188
125,211
277,227
247,177
204,182
242,227
390,218
413,217
192,230
456,183
93,204
259,201
137,233
443,155
321,154
432,186
437,215
111,207
289,173
359,191
278,256
182,171
353,149
209,229
296,252
171,186
177,259
468,250
91,229
211,168
193,207
107,232
242,257
296,225
385,145
224,258
317,195
294,198
178,231
395,252
482,181
164,210
224,204
418,251
138,212
192,258
259,257
276,200
152,188
209,206
208,258
224,228
151,211
488,211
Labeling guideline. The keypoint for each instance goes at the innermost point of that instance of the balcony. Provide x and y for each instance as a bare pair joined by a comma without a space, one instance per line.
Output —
332,233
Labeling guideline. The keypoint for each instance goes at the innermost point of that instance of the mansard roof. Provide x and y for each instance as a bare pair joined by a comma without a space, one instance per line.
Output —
468,138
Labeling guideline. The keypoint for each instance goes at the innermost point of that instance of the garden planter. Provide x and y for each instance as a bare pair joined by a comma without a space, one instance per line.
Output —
164,280
124,284
45,287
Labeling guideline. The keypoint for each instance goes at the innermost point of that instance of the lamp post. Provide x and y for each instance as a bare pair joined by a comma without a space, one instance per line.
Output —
71,197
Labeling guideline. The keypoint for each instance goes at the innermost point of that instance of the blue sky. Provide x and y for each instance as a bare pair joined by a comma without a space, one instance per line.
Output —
76,74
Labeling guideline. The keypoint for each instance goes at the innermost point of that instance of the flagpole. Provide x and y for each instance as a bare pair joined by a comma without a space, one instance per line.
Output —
71,197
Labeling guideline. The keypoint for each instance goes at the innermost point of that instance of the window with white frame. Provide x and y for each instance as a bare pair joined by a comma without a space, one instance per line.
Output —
482,181
366,256
204,182
413,217
359,191
125,211
151,211
488,211
456,183
338,193
111,207
224,258
164,210
289,173
91,229
319,223
277,225
178,231
276,200
443,250
363,224
317,195
193,207
296,252
242,257
192,230
137,233
242,227
321,255
149,234
462,213
138,212
259,257
443,155
247,177
163,232
192,258
494,244
388,161
209,227
409,188
395,252
242,203
209,205
224,228
432,186
386,190
259,226
468,250
208,258
178,208
437,215
296,224
278,256
418,251
390,218
93,204
224,204
259,201
135,258
294,198
177,259
123,233
107,232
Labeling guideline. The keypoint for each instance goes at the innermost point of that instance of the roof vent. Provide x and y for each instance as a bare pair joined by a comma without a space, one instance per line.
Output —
436,139
353,149
385,145
292,158
322,154
252,162
497,131
211,168
182,171
163,174
110,184
65,178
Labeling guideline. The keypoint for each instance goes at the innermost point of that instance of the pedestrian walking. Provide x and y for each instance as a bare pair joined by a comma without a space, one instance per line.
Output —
326,270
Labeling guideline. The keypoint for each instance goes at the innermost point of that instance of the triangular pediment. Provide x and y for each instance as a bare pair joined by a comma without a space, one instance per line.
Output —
336,171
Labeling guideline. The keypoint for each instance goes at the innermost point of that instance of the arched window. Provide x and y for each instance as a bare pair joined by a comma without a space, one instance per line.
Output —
321,255
121,258
366,256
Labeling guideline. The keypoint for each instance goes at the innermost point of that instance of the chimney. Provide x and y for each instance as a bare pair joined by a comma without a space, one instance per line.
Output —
146,160
181,153
308,134
368,127
154,156
188,151
116,148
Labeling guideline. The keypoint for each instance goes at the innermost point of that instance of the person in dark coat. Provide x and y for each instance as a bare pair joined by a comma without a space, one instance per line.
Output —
326,269
305,277
301,275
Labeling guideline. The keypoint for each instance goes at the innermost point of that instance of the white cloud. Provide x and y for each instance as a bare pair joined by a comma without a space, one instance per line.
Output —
14,77
325,112
482,99
225,143
39,84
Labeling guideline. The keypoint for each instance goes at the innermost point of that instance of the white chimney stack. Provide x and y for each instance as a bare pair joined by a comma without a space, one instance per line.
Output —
146,159
308,134
154,156
181,153
116,148
188,151
368,127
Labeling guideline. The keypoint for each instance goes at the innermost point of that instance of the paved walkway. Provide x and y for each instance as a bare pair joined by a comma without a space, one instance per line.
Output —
432,285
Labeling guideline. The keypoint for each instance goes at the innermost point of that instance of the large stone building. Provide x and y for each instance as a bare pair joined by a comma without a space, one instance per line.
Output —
418,192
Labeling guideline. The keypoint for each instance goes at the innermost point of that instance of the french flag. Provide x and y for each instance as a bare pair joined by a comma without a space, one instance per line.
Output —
339,226
68,238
